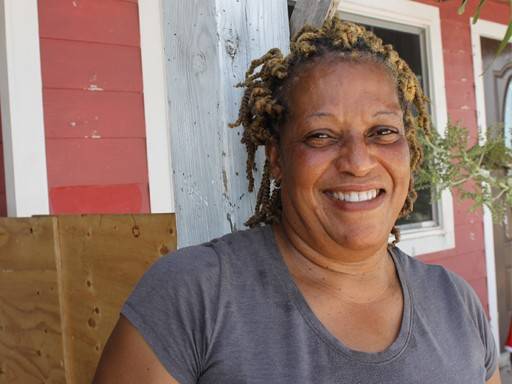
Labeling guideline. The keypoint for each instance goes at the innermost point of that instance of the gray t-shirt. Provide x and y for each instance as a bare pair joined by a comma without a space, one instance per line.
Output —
228,311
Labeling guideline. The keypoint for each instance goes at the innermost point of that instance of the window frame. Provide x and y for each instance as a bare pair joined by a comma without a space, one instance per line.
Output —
422,239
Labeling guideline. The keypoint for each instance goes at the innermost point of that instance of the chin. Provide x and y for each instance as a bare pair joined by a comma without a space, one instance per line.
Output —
361,238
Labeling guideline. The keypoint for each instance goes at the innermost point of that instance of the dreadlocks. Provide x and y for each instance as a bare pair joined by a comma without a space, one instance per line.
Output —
263,107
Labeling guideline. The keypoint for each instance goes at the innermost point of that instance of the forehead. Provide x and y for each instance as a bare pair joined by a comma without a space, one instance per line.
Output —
339,82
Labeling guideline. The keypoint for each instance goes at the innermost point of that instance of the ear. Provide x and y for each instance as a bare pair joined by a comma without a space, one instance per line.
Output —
274,156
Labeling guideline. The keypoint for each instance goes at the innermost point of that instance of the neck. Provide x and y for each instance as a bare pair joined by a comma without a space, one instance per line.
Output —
359,276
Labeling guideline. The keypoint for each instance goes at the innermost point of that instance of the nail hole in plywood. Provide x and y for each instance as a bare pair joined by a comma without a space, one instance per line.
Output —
91,322
96,310
136,231
88,283
164,250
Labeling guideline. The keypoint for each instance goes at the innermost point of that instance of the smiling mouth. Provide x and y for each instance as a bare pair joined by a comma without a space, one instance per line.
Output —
356,196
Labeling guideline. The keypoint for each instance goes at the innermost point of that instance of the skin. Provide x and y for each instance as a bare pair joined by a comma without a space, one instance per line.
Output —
344,133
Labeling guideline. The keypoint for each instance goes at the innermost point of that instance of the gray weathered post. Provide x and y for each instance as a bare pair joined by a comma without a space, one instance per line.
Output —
312,12
209,45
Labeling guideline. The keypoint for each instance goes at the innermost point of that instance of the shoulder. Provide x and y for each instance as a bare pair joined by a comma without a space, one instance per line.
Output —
434,276
437,287
201,263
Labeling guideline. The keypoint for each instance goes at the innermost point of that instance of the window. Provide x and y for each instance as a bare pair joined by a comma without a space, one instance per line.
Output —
414,30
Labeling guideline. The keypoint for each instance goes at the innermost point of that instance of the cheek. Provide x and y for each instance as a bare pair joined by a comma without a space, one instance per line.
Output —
303,166
400,162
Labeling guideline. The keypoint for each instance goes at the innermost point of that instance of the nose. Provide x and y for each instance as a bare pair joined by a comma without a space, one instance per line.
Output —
355,157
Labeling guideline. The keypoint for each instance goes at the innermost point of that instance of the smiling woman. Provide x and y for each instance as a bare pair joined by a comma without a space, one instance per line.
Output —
313,293
342,158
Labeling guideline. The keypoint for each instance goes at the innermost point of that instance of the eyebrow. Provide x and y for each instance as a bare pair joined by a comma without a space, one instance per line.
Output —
319,114
326,114
396,113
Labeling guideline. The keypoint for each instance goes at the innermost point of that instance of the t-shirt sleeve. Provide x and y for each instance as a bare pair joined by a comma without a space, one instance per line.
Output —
174,308
482,324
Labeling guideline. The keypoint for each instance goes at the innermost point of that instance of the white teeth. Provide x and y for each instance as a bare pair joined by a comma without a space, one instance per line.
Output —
356,196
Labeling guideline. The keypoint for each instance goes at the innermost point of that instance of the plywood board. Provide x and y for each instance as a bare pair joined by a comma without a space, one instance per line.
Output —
26,244
100,259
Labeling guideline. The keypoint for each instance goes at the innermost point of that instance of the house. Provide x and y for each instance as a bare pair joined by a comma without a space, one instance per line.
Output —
122,106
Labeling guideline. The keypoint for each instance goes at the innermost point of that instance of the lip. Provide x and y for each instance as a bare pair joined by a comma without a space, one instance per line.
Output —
353,206
355,188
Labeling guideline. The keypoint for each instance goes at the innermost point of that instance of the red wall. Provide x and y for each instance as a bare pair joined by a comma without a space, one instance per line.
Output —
93,106
3,198
468,258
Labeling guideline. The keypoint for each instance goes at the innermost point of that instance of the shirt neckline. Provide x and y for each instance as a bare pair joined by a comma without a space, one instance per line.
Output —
390,353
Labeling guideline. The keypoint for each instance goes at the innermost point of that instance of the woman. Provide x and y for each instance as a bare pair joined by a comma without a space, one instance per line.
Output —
316,295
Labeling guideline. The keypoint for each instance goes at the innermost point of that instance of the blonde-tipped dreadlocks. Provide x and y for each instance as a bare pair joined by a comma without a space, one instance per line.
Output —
263,108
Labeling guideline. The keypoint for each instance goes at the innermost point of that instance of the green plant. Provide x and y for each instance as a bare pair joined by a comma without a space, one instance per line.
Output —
480,172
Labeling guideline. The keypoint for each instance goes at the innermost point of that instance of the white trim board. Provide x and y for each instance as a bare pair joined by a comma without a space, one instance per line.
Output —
158,145
495,31
22,109
422,240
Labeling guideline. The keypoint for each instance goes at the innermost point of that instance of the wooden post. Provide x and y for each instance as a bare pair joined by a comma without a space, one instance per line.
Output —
209,46
312,12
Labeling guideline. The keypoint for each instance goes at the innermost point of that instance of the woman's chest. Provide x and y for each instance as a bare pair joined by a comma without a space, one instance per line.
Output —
278,343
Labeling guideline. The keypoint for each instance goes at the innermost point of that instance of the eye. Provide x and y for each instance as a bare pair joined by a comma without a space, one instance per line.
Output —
320,139
385,134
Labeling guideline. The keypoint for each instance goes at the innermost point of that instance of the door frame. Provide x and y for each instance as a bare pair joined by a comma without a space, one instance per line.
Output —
496,31
158,135
21,95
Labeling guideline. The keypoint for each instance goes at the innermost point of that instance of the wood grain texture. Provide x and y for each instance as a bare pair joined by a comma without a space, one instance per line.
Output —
312,12
30,329
100,260
26,244
208,45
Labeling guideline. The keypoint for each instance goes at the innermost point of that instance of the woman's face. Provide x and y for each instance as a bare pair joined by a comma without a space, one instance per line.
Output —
343,159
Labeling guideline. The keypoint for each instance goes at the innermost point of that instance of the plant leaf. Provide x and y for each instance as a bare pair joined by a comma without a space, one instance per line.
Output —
506,39
462,7
476,15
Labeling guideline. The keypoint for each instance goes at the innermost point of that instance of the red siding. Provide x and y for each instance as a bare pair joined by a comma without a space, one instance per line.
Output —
125,198
93,106
3,197
468,258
